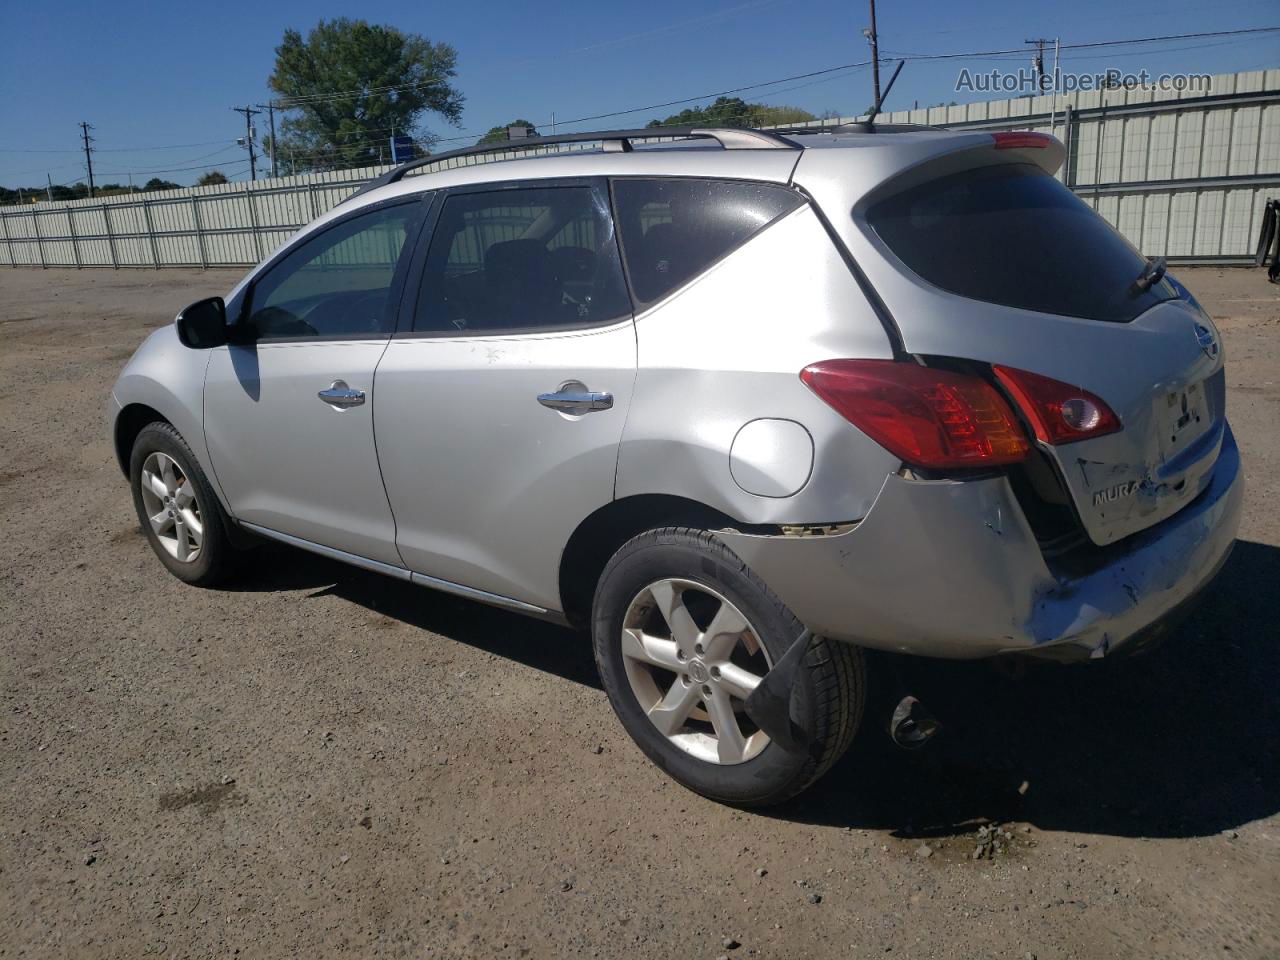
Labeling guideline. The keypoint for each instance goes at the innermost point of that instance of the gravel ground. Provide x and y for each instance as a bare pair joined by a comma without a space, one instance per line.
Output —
316,761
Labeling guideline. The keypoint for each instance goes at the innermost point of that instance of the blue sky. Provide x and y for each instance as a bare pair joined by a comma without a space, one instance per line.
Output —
166,74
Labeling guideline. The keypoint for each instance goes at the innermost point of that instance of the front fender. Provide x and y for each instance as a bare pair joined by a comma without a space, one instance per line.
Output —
167,377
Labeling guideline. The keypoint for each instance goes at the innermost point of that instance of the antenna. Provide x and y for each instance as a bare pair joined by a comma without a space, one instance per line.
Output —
876,109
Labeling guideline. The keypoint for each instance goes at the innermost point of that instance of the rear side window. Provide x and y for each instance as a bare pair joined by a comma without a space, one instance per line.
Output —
519,260
673,230
1012,234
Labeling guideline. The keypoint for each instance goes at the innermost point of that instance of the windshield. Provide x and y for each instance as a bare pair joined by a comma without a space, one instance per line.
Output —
1012,234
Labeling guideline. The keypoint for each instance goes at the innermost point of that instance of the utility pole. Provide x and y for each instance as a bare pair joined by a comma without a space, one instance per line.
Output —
271,122
48,190
873,36
249,114
88,152
1053,109
1038,63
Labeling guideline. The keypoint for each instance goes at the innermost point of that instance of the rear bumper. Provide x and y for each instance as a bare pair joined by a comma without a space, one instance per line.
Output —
951,569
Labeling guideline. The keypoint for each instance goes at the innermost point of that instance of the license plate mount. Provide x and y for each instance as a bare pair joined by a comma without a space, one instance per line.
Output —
1183,416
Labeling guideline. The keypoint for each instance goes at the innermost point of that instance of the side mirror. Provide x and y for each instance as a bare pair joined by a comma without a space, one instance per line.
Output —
203,324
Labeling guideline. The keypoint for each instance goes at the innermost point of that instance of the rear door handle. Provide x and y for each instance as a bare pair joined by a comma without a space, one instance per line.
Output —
341,396
577,401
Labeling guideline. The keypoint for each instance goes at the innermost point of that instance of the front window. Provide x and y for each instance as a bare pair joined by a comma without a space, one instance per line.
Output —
336,284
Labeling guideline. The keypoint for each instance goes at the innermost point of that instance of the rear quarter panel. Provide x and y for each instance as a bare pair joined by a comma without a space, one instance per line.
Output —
728,349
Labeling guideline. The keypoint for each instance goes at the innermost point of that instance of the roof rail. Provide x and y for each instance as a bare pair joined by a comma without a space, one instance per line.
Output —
731,138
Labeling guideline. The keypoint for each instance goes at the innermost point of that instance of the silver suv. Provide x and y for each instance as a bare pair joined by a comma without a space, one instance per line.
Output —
744,403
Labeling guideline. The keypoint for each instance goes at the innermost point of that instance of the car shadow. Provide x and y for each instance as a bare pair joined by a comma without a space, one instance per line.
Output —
533,643
1182,741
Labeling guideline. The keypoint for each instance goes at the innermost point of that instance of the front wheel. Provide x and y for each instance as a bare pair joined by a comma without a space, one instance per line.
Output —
177,508
683,632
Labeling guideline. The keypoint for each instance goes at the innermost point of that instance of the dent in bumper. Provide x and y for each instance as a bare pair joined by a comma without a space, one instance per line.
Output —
951,569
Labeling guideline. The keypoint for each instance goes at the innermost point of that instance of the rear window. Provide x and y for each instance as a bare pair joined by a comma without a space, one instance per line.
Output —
673,230
1012,234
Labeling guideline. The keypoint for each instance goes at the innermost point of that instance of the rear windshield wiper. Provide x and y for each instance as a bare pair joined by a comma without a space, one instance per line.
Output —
1151,274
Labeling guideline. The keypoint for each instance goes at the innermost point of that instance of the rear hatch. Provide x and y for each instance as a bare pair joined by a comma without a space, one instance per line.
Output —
981,255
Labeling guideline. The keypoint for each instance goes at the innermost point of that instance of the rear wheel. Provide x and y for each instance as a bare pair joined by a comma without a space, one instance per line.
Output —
177,508
683,633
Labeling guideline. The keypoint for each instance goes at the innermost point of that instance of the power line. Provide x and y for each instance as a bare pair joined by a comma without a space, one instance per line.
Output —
975,55
919,56
198,166
168,146
287,103
70,184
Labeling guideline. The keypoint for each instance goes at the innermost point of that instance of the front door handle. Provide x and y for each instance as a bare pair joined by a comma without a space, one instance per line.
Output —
577,401
341,396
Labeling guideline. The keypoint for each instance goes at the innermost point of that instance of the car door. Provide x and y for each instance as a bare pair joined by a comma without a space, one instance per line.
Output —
500,402
289,406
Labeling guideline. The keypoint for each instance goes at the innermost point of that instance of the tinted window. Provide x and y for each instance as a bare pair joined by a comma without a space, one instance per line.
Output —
1014,235
337,283
672,230
515,260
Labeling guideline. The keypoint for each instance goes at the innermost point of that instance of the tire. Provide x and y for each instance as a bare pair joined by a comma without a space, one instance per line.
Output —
645,577
187,511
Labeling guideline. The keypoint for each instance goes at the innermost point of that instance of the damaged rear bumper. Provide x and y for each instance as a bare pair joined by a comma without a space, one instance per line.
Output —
951,569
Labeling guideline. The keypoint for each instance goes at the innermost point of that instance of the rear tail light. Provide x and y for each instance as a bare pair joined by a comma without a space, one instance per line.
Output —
1059,412
929,418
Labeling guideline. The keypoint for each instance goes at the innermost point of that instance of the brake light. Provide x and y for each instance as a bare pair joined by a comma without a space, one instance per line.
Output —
929,418
1021,139
1059,412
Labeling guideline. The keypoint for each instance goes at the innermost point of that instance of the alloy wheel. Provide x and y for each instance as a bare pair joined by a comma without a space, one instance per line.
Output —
692,659
169,497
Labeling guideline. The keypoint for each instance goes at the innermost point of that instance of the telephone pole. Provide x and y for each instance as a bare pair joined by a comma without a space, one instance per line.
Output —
88,152
873,36
1038,63
249,114
270,106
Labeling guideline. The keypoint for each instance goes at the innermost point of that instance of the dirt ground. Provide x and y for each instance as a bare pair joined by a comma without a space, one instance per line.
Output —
320,762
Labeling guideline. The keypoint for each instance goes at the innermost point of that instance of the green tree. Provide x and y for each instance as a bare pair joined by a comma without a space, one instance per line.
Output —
767,116
349,84
725,112
212,178
498,134
155,183
733,112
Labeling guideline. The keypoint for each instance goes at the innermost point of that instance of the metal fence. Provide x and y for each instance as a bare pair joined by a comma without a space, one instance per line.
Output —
1184,176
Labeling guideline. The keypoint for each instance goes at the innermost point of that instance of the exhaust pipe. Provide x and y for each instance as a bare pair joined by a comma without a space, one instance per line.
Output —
772,707
912,726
